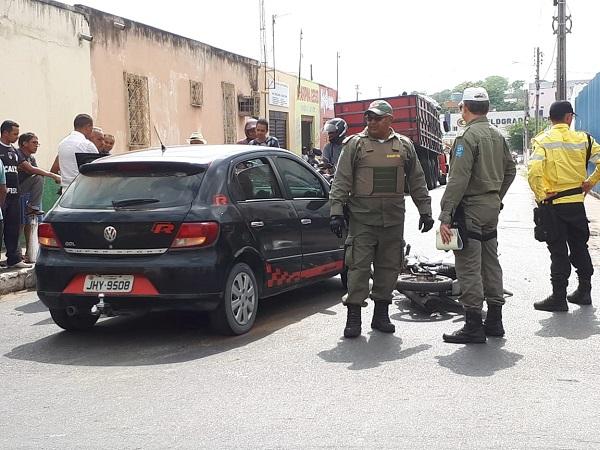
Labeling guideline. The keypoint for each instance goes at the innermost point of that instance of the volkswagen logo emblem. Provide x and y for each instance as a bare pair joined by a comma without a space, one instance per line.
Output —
110,233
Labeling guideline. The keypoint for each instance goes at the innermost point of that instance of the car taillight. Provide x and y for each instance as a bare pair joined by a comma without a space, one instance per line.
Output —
196,234
47,237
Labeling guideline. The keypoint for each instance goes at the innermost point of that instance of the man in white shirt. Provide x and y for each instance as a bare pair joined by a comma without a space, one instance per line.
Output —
76,142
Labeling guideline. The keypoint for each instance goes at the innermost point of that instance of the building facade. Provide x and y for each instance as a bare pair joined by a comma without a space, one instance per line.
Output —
548,95
46,79
296,111
150,83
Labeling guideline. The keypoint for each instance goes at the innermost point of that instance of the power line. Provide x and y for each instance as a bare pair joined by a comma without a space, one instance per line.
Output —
551,61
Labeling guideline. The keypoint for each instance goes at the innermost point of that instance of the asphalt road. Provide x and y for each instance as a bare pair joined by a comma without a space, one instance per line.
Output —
165,381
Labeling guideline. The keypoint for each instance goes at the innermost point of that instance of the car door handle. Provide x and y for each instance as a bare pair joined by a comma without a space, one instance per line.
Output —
305,221
257,224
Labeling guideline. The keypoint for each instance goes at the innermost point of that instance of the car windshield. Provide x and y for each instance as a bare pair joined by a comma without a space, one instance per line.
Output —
132,190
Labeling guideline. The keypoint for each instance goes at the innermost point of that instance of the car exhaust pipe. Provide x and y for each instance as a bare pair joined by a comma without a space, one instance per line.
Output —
71,311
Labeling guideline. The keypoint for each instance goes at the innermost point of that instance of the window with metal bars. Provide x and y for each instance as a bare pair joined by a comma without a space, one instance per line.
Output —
138,110
229,112
196,93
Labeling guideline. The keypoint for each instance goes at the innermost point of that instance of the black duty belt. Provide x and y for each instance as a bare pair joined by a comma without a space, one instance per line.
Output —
566,193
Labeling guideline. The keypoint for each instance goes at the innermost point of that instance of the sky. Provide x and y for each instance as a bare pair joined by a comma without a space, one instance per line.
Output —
387,46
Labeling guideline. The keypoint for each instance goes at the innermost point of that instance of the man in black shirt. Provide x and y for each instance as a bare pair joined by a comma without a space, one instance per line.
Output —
31,184
11,210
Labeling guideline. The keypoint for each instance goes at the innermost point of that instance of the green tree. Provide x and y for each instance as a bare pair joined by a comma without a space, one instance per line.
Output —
515,133
504,96
496,86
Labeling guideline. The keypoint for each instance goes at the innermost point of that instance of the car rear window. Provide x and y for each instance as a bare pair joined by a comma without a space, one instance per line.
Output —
132,189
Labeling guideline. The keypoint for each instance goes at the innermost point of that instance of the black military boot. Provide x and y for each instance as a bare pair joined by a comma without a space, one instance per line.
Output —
381,319
583,294
472,333
493,321
553,303
353,322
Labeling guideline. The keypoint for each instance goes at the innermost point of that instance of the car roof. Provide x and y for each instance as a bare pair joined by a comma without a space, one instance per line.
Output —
196,154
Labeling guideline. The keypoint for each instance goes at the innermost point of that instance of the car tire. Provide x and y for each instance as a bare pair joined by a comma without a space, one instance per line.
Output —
80,321
237,311
409,282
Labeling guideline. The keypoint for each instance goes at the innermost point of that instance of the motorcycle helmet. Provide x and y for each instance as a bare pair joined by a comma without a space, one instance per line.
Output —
337,126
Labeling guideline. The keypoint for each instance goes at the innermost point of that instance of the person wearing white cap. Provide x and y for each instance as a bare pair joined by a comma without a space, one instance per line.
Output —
197,138
481,171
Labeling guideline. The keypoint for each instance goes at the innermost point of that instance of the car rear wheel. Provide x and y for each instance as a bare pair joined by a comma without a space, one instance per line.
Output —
73,320
237,312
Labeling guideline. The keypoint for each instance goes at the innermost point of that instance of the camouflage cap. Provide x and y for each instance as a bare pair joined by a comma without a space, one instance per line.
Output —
380,107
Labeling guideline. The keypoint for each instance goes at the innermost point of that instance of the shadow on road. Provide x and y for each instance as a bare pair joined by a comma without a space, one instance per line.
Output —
166,338
362,353
480,360
32,308
409,313
580,324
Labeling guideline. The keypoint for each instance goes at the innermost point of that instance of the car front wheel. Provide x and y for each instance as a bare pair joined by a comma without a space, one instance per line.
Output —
237,312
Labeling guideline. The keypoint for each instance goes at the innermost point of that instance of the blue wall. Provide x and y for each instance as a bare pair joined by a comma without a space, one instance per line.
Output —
587,107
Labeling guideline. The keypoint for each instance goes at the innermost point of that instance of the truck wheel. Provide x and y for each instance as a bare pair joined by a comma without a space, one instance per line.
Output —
237,312
423,283
427,171
76,321
435,172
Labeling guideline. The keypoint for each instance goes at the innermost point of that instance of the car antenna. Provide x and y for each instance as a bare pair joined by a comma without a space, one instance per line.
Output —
162,146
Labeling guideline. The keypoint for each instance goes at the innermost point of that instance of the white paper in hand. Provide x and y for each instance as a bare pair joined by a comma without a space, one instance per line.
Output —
455,243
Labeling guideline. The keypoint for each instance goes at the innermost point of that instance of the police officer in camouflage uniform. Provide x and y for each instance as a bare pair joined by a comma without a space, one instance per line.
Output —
369,181
481,171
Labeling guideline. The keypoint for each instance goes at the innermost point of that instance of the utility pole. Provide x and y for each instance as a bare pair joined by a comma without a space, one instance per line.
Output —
299,66
561,25
379,89
538,60
357,92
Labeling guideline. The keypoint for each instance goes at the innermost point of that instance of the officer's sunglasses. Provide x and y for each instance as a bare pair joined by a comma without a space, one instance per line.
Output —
373,117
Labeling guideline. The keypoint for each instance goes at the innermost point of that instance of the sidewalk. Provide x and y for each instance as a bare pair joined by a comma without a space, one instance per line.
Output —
13,280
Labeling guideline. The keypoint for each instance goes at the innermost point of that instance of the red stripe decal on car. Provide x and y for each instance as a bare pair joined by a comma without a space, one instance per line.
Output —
278,277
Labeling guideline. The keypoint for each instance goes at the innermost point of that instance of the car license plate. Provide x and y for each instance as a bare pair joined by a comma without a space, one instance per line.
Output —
108,283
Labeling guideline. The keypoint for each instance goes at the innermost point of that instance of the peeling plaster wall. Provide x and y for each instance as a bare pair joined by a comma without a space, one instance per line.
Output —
46,79
169,61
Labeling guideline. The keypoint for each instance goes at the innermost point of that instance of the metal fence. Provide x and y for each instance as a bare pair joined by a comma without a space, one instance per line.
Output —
587,107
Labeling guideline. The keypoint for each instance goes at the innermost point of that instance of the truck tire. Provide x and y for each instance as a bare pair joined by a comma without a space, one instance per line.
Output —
434,173
427,172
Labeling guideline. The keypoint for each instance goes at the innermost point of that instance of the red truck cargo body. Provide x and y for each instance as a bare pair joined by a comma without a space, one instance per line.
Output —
414,117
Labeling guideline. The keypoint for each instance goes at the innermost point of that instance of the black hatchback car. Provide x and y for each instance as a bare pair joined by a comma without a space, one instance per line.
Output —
210,228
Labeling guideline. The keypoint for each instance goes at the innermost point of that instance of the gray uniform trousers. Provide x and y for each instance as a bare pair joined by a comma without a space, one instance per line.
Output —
477,267
381,246
34,185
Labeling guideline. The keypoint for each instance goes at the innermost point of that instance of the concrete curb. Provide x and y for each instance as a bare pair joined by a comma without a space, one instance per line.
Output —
16,280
